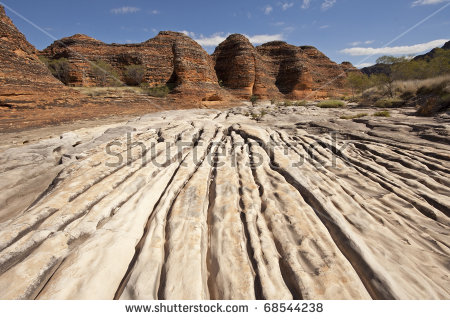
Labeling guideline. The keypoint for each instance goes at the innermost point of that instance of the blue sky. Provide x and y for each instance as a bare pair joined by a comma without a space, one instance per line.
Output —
358,31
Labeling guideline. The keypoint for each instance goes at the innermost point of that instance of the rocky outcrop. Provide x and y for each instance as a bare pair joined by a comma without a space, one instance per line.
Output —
241,69
276,209
377,69
277,69
171,58
25,82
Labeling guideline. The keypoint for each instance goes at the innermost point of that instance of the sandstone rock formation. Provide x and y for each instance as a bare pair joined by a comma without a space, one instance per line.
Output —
241,69
276,209
25,82
273,70
170,58
277,69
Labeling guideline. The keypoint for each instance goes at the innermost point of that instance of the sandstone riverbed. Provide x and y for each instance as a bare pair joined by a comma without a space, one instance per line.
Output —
246,203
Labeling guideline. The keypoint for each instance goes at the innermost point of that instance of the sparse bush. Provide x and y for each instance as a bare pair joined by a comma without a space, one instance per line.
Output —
355,116
134,75
358,82
331,104
383,113
60,68
158,91
433,105
254,99
105,74
300,103
407,95
389,103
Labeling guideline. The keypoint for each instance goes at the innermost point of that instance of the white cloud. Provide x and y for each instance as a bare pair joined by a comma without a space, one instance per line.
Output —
154,12
286,5
125,10
364,65
263,38
417,48
278,24
215,39
324,27
188,33
426,2
268,9
357,43
327,4
306,4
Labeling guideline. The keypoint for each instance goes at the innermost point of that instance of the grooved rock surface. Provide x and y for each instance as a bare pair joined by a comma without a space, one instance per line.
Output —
25,82
169,58
277,69
204,204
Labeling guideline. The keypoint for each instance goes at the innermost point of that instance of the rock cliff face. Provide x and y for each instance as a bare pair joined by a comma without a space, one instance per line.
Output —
25,82
278,69
273,70
169,58
240,68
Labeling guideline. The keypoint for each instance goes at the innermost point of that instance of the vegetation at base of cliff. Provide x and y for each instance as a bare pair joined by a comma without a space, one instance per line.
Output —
158,91
134,74
289,103
383,113
355,116
60,68
105,74
254,99
331,104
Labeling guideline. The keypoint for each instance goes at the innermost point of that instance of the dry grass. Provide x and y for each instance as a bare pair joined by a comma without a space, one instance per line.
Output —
384,113
331,104
104,91
400,87
354,116
414,85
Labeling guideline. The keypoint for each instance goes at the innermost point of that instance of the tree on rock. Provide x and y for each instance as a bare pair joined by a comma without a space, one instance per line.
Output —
105,74
134,75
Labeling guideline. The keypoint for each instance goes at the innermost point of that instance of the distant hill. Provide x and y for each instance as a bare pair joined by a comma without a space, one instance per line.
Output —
384,68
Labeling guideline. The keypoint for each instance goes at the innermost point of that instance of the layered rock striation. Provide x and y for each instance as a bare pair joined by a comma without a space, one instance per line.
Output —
171,58
25,82
278,69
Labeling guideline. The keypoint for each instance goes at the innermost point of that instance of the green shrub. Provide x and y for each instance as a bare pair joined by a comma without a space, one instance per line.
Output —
389,103
300,103
254,99
383,113
134,75
356,116
158,91
105,74
331,104
60,68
